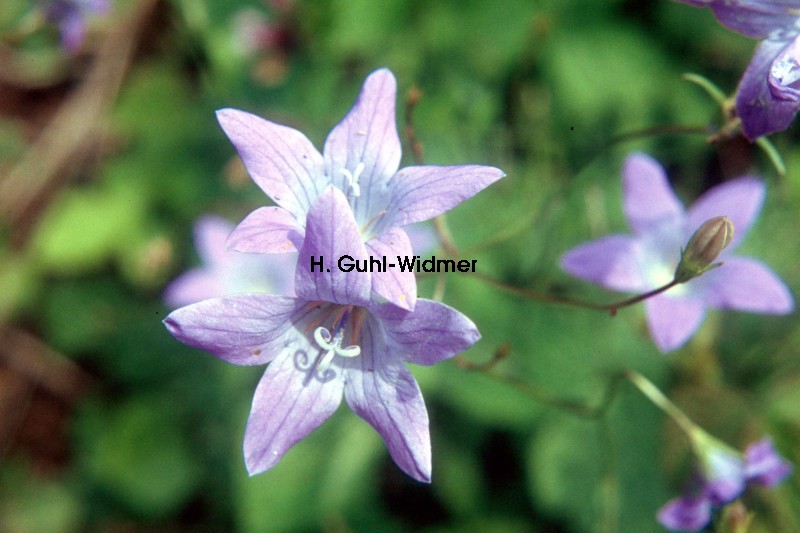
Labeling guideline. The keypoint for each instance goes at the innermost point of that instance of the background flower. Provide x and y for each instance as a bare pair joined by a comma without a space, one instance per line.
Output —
768,96
724,476
647,259
224,272
71,17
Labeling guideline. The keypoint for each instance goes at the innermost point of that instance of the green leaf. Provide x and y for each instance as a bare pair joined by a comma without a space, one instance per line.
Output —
137,454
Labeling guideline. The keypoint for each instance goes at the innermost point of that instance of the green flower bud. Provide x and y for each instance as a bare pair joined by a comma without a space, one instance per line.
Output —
703,247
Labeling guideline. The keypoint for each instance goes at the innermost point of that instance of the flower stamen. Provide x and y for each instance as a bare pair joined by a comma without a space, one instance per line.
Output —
332,344
352,178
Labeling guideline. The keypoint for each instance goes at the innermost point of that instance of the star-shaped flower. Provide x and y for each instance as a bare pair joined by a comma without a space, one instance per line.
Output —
361,158
225,272
329,341
768,96
70,16
648,258
724,475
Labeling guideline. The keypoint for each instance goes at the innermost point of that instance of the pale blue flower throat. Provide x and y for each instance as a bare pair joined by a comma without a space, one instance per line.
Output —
332,344
352,178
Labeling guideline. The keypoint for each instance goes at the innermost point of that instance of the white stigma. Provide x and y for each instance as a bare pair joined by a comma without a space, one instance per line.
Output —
333,346
352,178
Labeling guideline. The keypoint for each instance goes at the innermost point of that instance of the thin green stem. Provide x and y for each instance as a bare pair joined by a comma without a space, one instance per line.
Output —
662,402
540,395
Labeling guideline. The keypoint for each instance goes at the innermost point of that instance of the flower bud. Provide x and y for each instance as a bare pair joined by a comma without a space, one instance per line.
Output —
703,247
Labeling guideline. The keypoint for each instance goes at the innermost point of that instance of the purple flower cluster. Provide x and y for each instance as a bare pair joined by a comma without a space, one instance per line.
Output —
71,16
768,96
342,333
724,475
648,258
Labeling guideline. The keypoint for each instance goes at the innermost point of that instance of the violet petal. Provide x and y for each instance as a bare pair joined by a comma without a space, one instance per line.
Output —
291,400
740,200
613,262
246,329
281,160
424,192
396,286
672,321
687,513
266,230
432,333
381,390
746,284
332,232
763,465
367,134
649,200
760,110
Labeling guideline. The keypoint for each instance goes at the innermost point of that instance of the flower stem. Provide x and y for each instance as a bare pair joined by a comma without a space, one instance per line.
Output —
566,300
662,402
540,395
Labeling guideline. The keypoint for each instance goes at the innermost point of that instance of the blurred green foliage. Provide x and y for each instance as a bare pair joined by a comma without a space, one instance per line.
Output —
542,89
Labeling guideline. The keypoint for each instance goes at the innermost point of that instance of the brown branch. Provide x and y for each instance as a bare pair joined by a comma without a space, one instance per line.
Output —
31,358
76,125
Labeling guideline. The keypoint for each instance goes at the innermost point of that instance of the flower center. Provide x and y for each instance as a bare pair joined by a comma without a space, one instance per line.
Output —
331,343
352,178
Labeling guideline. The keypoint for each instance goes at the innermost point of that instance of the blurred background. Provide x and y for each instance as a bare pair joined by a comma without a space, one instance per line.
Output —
110,152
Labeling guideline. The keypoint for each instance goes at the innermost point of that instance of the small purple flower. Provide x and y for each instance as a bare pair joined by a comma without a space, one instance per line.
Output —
225,272
763,465
329,341
648,258
723,477
361,158
70,16
768,96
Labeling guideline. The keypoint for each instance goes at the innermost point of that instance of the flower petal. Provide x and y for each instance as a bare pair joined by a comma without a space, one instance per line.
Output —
432,333
421,193
688,513
398,287
246,329
367,134
267,230
740,200
753,18
383,392
757,18
672,321
291,400
613,262
746,284
724,473
281,160
649,200
763,465
193,286
761,111
784,73
332,232
210,234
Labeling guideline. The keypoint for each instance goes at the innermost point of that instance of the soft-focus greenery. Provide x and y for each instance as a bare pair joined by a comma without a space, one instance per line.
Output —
543,89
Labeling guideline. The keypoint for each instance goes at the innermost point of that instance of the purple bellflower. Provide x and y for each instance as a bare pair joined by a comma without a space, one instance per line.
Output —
332,340
648,258
361,158
724,475
70,16
225,272
768,96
